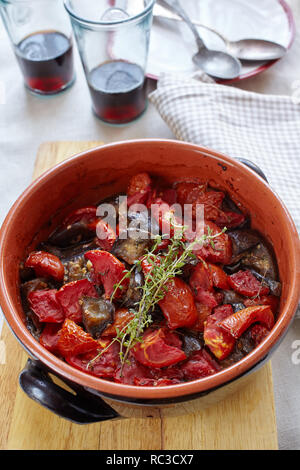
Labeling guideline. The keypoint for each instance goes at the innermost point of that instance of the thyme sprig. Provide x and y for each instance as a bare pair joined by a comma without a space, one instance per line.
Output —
178,254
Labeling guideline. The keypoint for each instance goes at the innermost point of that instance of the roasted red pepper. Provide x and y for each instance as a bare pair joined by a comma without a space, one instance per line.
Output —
110,272
219,341
73,340
240,321
46,306
155,350
245,283
69,297
106,235
46,265
178,305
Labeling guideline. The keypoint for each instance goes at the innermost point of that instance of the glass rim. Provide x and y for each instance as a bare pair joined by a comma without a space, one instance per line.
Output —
108,23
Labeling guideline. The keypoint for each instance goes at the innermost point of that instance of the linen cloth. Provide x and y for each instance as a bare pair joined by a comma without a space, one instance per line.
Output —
261,128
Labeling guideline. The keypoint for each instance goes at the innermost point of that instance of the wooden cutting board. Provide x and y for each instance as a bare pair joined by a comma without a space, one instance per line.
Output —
246,420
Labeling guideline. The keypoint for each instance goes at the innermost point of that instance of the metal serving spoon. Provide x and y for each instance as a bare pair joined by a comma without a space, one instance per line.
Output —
244,49
218,64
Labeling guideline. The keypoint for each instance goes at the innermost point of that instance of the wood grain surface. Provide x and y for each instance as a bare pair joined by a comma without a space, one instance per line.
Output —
246,420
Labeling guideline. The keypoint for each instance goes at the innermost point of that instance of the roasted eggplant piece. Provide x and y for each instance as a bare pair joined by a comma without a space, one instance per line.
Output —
32,321
191,344
130,250
71,235
242,240
133,294
274,286
97,313
250,251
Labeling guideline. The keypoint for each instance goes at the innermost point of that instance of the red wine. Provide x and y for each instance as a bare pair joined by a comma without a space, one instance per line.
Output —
118,91
46,60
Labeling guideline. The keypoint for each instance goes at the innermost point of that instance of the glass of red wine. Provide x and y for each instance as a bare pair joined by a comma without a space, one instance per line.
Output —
41,33
113,42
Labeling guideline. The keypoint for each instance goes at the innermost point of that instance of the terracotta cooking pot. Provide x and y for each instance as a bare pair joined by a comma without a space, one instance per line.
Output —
87,178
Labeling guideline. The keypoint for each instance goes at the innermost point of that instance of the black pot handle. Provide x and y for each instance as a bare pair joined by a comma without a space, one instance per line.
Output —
82,407
253,167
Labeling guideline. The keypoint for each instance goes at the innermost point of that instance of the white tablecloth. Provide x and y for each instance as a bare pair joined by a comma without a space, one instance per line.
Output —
26,121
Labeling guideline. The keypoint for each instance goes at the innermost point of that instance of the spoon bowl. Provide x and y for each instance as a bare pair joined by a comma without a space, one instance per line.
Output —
255,49
217,64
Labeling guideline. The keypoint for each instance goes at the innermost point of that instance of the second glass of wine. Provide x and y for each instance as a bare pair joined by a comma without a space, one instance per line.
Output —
41,33
113,42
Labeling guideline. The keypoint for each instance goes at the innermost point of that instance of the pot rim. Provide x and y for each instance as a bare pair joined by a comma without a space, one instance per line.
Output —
130,391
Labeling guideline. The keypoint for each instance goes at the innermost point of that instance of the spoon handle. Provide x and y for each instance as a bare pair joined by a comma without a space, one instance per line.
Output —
175,6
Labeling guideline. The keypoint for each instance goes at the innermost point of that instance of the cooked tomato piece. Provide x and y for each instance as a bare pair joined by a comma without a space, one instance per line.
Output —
50,336
86,215
201,278
69,297
188,192
259,333
169,196
110,271
154,350
131,371
240,321
163,245
155,383
219,341
46,265
73,340
245,283
229,219
219,277
217,251
138,183
197,194
165,217
104,366
46,306
203,312
178,305
270,300
122,318
147,265
106,235
199,365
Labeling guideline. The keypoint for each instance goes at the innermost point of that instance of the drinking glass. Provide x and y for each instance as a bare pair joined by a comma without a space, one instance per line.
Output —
113,42
41,34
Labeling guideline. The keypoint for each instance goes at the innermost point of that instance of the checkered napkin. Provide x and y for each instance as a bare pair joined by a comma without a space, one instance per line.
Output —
261,128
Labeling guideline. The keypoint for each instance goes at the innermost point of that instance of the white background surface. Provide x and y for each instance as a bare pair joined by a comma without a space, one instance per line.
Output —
26,121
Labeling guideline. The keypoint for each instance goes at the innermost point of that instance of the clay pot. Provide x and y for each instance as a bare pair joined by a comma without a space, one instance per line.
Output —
94,175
